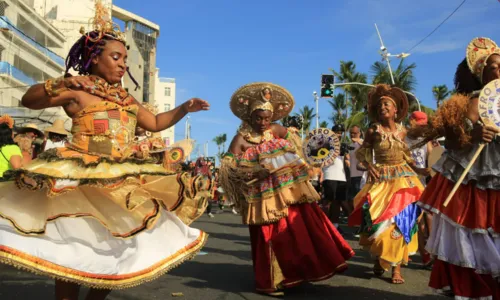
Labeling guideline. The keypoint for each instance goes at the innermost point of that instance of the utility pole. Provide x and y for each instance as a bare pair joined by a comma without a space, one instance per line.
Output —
316,98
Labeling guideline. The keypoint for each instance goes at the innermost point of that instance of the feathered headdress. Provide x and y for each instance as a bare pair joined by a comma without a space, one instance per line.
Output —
8,120
103,25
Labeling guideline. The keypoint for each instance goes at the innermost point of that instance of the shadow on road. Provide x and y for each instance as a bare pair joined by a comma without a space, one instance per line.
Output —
319,292
221,276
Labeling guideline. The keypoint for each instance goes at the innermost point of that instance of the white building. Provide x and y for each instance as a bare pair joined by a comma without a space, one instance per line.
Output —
30,50
141,36
165,101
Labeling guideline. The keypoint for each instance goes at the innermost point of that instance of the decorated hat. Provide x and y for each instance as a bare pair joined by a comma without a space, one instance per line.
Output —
478,52
30,128
261,96
384,91
57,127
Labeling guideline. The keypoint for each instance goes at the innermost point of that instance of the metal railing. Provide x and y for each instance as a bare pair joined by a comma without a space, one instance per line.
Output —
5,23
8,69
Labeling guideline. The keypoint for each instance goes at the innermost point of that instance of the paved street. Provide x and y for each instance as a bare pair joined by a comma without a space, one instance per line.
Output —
224,271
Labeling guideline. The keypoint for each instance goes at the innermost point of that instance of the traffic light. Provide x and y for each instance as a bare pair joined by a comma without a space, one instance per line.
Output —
326,86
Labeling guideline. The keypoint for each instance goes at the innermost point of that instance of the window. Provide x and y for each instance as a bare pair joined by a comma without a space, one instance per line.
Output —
167,107
167,91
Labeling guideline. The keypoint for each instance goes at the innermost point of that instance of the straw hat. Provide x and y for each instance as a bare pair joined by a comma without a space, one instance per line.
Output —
261,95
30,128
57,127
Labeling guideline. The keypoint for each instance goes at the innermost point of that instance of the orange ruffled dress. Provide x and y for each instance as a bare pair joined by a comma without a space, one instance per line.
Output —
98,216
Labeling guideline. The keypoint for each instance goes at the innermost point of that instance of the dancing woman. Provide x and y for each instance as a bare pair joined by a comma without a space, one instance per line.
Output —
385,208
93,213
465,235
292,239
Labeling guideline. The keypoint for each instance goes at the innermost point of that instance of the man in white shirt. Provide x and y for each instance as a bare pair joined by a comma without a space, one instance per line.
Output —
335,185
57,136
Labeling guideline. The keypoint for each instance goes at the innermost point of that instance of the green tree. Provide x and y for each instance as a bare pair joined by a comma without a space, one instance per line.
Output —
440,93
339,106
220,141
355,95
323,124
308,115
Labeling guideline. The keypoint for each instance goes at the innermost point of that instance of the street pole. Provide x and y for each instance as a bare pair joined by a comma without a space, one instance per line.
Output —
316,98
384,54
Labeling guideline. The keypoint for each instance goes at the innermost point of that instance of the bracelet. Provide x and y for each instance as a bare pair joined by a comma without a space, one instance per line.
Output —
53,87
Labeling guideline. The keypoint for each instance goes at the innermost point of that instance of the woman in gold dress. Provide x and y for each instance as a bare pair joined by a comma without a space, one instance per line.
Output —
94,213
385,208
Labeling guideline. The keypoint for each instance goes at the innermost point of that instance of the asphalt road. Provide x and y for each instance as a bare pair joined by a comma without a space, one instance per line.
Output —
224,271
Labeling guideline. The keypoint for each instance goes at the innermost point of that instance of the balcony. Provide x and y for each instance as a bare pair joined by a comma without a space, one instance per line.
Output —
9,70
167,80
6,24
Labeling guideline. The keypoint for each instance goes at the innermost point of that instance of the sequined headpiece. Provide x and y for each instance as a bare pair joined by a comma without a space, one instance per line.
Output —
8,120
478,52
263,96
103,25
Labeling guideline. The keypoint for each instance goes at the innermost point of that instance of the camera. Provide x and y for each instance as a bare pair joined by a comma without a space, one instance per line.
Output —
345,148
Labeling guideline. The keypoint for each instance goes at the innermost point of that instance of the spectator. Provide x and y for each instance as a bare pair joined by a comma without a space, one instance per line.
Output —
335,184
356,174
57,136
10,154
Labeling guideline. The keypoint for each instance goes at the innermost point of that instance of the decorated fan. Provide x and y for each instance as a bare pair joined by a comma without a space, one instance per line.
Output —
176,154
321,147
489,104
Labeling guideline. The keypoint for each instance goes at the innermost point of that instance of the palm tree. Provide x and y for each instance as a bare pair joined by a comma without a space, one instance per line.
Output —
403,75
355,93
218,141
339,107
307,115
323,124
440,93
223,138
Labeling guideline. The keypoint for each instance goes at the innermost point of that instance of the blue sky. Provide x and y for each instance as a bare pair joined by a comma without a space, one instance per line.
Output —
213,47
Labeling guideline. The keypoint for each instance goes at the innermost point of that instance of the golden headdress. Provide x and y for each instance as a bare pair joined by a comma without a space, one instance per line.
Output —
261,96
103,24
8,120
478,52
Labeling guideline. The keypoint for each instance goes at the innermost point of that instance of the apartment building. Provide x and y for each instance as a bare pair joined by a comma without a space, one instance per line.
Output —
165,100
30,50
141,36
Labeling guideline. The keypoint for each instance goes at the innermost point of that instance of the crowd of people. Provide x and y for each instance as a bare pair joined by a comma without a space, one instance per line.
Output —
113,193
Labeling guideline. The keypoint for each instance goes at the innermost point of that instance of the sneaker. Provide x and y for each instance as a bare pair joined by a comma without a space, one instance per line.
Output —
211,215
234,211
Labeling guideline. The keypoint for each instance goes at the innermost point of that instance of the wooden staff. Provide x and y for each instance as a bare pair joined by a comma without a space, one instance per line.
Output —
276,170
459,181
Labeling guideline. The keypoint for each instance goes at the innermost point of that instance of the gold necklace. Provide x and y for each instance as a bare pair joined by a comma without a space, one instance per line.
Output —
254,137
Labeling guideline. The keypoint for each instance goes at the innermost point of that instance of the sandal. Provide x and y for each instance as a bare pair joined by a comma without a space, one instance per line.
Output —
397,278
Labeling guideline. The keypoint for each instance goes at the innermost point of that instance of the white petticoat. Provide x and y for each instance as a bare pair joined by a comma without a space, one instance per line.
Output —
460,246
83,251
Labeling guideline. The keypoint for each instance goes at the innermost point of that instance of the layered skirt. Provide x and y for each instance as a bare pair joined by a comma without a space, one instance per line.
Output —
292,239
465,235
104,225
387,214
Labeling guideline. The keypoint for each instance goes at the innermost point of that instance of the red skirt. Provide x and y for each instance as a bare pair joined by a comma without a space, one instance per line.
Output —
470,207
305,246
463,282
